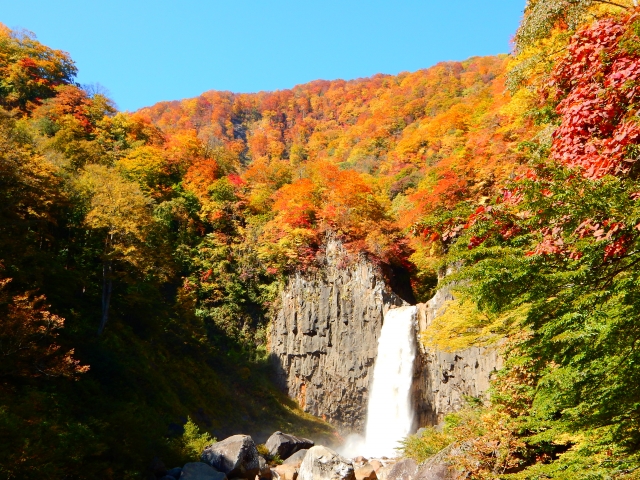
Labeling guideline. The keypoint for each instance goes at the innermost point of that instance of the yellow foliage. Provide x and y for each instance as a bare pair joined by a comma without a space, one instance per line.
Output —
143,164
460,324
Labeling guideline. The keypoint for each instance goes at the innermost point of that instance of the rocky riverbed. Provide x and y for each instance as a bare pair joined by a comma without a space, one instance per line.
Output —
288,457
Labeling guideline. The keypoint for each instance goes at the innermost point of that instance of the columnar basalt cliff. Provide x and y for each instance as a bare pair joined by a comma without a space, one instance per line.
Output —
443,379
324,342
324,338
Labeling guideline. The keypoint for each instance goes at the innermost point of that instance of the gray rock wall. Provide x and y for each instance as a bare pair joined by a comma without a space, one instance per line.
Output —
442,379
324,338
324,341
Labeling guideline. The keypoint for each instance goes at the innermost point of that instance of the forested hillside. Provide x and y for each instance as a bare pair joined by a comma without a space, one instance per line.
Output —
551,262
141,254
367,159
107,346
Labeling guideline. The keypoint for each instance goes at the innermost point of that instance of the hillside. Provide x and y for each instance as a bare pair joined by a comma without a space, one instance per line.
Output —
170,231
367,158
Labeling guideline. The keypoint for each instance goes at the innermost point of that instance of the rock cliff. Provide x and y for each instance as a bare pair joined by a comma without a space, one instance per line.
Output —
324,338
324,341
442,379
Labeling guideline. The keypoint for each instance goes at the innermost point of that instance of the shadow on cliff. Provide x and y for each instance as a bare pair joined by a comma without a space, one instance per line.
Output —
251,404
248,400
398,279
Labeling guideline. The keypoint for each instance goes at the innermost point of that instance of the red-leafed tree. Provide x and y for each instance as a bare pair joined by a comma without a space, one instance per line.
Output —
30,71
28,332
597,86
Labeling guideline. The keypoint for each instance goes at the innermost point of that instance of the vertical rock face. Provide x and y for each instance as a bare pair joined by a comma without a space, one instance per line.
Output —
324,338
324,342
442,379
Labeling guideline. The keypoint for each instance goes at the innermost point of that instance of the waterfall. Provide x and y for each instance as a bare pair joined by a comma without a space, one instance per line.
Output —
390,413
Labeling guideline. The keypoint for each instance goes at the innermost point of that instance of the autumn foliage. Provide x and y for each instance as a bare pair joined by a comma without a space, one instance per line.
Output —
362,159
597,85
27,338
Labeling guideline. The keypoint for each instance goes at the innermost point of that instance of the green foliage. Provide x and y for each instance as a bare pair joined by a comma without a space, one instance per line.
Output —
542,16
425,445
565,281
195,442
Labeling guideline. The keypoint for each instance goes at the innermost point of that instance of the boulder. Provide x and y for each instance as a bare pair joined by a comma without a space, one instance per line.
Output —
157,467
376,464
435,471
403,469
365,472
296,458
174,472
236,456
285,445
265,471
200,471
322,463
286,472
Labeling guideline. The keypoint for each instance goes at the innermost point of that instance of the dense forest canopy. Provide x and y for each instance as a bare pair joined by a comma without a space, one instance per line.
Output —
141,254
366,159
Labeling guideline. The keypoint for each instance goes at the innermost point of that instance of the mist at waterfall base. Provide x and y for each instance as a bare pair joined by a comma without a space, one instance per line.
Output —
390,412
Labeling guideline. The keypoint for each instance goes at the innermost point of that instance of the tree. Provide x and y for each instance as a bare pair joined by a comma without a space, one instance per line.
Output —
542,16
30,71
27,338
121,213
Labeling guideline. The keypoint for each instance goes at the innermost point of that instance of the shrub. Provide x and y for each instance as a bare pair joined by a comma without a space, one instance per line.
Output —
425,444
195,442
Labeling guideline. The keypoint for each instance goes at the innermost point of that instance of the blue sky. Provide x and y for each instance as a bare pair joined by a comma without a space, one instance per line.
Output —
145,51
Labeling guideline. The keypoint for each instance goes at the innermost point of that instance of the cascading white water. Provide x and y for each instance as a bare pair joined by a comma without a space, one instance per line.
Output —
389,412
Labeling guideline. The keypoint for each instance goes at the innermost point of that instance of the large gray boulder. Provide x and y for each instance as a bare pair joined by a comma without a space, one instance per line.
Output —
237,456
437,471
285,472
407,469
322,463
285,445
404,469
296,458
200,471
174,472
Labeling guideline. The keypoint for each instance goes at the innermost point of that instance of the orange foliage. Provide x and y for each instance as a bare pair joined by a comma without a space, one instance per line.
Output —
295,205
200,176
27,338
447,119
332,155
31,72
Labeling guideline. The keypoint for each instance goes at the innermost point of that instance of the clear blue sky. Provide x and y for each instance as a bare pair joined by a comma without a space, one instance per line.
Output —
145,51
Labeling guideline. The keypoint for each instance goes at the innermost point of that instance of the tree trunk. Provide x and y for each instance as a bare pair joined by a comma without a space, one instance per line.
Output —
107,286
107,282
